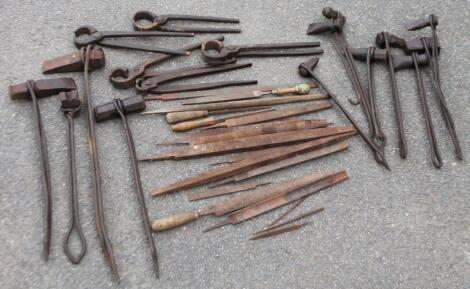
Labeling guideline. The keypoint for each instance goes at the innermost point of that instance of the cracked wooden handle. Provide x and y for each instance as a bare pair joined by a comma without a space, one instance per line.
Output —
174,221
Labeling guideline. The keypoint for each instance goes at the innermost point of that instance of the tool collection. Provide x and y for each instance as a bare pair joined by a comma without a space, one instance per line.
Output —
233,118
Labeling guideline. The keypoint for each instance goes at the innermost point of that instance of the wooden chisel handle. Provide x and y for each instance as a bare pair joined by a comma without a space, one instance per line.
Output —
174,117
174,221
189,125
302,88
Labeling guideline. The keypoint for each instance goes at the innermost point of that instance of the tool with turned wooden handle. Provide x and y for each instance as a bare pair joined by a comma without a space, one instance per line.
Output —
175,117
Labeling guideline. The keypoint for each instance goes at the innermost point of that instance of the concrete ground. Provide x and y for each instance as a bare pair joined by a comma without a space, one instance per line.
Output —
408,228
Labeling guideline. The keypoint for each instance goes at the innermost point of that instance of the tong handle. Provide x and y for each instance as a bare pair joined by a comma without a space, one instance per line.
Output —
202,18
268,46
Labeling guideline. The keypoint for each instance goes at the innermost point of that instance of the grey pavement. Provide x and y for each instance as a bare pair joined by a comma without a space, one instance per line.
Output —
408,228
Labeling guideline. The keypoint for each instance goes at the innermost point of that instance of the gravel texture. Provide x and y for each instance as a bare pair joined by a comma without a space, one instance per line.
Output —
408,228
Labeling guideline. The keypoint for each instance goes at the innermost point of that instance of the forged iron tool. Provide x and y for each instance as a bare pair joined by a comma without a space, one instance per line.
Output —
214,52
431,50
88,59
32,90
278,223
306,70
225,171
123,77
146,20
301,89
435,154
180,116
120,108
241,201
86,35
70,106
152,81
229,189
275,232
267,202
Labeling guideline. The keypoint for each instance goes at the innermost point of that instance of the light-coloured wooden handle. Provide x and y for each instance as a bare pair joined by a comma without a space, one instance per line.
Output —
174,221
191,124
175,117
302,88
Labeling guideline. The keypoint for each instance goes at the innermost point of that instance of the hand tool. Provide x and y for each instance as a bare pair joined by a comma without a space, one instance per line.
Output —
70,106
272,233
275,200
435,154
238,202
123,77
225,171
86,59
294,160
86,35
283,215
252,130
146,20
306,70
302,89
122,107
295,219
243,103
335,24
74,62
229,189
214,52
199,86
175,117
153,80
208,121
431,49
95,166
253,142
283,113
32,90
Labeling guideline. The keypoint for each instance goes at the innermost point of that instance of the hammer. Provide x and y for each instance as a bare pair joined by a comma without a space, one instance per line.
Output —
32,90
120,108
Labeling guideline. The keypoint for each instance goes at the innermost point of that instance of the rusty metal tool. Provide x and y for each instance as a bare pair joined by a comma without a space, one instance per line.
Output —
272,233
225,171
175,117
431,50
201,93
86,35
435,154
199,86
302,89
283,215
295,219
146,21
254,142
298,159
215,52
306,70
123,77
152,81
252,130
242,103
122,107
273,201
74,62
208,121
32,90
238,202
70,106
228,189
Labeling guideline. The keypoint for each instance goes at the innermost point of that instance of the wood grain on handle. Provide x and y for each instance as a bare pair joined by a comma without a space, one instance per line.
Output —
175,117
191,124
174,221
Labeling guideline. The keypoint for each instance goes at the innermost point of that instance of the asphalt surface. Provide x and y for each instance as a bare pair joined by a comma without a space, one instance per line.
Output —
408,228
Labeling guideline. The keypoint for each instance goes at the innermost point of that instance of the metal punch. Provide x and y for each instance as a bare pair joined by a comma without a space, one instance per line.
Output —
155,79
146,20
123,77
32,90
431,49
417,61
87,35
215,52
119,108
70,106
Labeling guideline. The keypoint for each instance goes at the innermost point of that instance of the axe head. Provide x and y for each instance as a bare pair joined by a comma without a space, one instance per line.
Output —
74,62
42,87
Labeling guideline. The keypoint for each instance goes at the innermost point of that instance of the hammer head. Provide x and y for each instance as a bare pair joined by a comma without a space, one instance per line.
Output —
422,23
308,65
129,105
74,62
42,87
